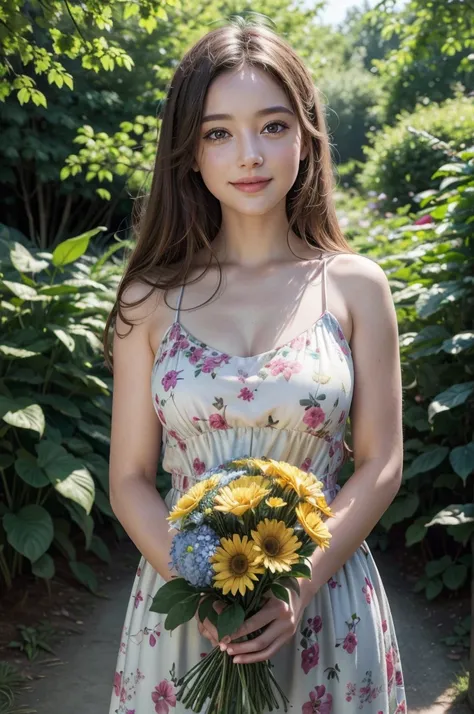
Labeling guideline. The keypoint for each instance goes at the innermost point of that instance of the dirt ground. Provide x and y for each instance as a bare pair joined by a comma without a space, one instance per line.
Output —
79,676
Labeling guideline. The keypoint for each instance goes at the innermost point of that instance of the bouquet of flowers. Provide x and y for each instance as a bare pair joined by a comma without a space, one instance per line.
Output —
245,529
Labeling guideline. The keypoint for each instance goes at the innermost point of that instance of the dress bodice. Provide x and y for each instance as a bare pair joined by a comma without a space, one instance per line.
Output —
289,403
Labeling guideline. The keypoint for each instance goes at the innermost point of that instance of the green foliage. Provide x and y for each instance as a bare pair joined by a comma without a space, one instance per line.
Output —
430,266
40,38
11,684
432,53
34,640
403,158
55,404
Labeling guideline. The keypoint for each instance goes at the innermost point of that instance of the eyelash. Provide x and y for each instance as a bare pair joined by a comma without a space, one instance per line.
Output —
279,123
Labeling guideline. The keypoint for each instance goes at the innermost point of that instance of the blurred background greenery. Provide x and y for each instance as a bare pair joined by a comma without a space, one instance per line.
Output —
80,88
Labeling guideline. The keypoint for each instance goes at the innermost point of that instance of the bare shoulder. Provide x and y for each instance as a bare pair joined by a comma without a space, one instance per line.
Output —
363,283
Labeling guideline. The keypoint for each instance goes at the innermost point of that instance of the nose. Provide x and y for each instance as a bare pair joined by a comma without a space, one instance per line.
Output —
249,153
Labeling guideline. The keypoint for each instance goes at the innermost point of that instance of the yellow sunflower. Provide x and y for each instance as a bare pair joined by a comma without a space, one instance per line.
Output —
313,525
306,485
236,565
241,495
191,499
276,545
275,502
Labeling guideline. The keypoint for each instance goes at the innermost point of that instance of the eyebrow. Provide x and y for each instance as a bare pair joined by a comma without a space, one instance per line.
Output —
260,113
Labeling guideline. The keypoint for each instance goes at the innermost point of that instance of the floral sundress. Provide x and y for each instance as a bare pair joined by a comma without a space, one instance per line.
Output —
290,403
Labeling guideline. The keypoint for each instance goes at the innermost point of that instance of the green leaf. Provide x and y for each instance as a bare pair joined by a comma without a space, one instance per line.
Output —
428,460
30,531
291,583
61,404
300,570
22,413
24,292
452,397
83,520
63,336
103,504
171,592
71,249
43,567
26,466
182,612
230,619
462,460
455,576
24,262
458,343
100,549
434,588
79,487
436,567
85,575
454,515
416,531
206,608
280,592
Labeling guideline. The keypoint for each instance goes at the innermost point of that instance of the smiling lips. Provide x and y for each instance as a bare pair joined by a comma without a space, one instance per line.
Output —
252,185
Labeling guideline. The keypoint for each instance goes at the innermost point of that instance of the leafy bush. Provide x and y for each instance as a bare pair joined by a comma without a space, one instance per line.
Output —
55,404
401,163
430,267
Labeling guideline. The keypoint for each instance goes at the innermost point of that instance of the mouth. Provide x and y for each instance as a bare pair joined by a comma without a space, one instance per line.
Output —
253,186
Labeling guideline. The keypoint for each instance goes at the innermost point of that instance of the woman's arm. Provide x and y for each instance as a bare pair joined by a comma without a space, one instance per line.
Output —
136,437
376,420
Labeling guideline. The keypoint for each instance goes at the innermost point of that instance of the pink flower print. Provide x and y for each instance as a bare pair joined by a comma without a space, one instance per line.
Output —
216,421
398,678
196,355
163,697
428,218
161,416
175,331
384,625
389,665
152,640
342,417
246,394
198,466
138,598
210,363
368,591
316,624
123,695
350,642
182,446
332,583
351,691
129,711
305,466
170,379
317,705
285,367
310,658
402,708
297,343
117,683
180,344
139,571
313,417
185,483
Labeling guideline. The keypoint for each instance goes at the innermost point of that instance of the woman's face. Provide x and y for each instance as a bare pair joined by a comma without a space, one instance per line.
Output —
246,143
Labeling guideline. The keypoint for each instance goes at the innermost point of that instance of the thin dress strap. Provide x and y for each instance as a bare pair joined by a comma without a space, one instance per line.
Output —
324,288
180,296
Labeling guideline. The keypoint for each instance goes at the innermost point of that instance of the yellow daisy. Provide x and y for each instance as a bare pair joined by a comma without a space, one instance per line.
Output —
306,485
191,499
241,495
276,545
313,525
236,565
275,502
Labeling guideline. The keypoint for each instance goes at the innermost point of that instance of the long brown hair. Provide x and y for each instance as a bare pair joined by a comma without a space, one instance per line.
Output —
180,215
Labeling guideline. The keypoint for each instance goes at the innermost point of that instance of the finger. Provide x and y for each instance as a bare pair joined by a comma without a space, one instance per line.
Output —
205,633
211,629
272,633
263,655
256,622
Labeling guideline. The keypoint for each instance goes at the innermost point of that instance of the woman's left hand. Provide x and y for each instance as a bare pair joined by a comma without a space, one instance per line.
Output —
282,620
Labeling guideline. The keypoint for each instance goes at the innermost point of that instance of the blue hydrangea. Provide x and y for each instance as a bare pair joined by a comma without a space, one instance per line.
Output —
231,476
190,553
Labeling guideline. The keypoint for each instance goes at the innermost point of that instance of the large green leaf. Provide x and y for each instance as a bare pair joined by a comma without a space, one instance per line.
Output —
103,504
30,531
78,487
183,611
16,352
70,250
170,593
452,397
458,343
43,567
63,336
455,576
85,575
61,404
404,506
26,466
427,461
22,413
454,515
24,262
100,549
55,460
462,460
83,520
230,619
24,292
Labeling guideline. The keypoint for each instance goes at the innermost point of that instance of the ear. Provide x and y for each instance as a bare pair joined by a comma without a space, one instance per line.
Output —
304,151
195,166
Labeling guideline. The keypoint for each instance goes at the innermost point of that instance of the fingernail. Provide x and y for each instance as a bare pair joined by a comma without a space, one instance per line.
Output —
222,646
226,639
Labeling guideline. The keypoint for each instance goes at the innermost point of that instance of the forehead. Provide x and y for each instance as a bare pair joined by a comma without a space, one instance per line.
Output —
244,91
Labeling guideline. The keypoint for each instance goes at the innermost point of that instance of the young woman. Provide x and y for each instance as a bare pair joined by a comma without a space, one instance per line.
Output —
246,325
